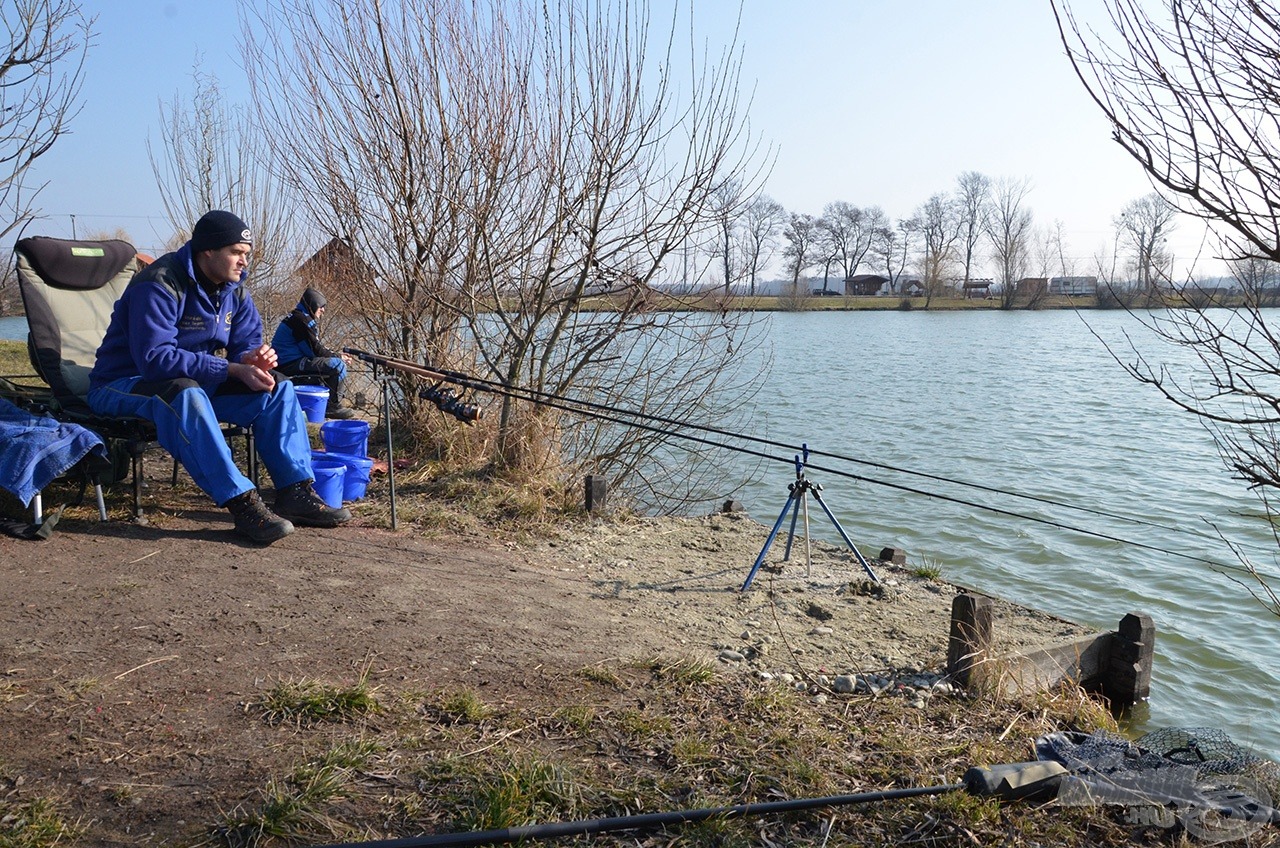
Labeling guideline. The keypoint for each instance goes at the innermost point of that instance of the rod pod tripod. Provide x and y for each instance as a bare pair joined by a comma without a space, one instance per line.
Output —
797,502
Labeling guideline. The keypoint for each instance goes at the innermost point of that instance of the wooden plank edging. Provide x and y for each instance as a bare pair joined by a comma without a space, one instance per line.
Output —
1116,664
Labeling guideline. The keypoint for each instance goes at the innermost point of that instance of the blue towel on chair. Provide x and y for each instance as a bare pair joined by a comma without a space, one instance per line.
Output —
36,449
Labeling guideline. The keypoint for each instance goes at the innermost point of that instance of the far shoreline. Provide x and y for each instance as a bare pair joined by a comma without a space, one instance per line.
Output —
717,301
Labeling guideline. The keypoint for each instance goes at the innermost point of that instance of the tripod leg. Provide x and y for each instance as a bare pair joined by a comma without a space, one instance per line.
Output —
861,559
768,542
808,550
391,462
791,534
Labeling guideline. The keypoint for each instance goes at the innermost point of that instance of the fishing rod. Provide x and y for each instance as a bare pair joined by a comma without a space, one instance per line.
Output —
589,409
444,398
1008,782
537,396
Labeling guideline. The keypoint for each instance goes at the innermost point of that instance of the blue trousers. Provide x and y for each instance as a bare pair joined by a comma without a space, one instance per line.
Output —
331,369
186,419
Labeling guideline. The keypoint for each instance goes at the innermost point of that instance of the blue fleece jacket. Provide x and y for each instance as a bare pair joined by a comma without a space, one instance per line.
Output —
166,325
292,340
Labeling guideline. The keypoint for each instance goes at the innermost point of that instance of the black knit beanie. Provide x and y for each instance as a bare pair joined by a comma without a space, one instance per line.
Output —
218,229
312,301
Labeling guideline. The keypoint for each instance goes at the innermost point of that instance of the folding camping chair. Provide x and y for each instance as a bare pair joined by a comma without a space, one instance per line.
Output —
69,289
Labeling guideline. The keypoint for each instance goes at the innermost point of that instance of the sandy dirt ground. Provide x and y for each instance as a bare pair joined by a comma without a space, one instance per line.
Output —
128,653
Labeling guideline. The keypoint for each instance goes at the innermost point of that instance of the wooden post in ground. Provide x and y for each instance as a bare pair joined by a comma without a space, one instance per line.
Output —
597,492
1127,677
897,556
969,646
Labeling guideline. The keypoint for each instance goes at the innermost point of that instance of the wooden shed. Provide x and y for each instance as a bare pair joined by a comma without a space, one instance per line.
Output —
864,284
980,289
336,262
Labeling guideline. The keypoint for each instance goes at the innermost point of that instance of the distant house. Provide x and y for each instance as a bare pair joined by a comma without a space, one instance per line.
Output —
1074,286
336,262
1217,294
913,288
864,284
1031,286
980,289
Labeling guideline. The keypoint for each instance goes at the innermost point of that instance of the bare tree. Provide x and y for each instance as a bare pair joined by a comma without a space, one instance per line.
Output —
909,230
1192,97
1009,230
827,249
727,207
804,237
1032,290
1144,226
939,227
891,246
1058,240
212,155
41,71
1258,281
1193,100
851,230
494,164
973,206
761,224
1042,253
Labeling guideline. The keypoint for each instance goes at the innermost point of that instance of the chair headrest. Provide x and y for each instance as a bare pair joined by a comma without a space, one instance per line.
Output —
67,264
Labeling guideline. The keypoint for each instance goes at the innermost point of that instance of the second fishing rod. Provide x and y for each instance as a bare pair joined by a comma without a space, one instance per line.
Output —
631,418
474,383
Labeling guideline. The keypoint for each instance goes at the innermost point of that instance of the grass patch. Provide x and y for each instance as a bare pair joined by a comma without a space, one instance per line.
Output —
601,675
294,810
308,702
462,707
681,672
641,725
38,823
349,754
14,362
648,743
298,808
576,717
467,497
81,686
527,791
926,570
693,751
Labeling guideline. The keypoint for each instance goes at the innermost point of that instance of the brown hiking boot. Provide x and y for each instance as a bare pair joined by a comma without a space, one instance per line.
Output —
302,505
254,521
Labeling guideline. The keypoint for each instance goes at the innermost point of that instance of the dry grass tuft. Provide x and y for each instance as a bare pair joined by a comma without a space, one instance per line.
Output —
668,734
35,823
305,702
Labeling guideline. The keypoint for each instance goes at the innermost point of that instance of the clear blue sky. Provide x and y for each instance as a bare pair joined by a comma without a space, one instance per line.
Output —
873,102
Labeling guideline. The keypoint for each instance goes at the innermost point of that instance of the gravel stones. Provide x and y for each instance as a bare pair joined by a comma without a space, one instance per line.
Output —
823,627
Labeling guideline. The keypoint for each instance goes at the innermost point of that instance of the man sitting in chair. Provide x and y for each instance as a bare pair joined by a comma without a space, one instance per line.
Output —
163,359
297,344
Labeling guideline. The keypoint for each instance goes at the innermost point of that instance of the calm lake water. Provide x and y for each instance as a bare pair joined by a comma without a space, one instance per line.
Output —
13,328
1031,402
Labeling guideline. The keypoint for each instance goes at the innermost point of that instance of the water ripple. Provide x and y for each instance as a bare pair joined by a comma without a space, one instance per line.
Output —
1032,402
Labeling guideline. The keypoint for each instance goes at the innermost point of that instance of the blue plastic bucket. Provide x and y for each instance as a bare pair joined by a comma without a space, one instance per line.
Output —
330,477
349,437
357,477
313,400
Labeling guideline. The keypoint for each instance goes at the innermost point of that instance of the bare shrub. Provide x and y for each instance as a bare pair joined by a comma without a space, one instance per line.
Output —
515,178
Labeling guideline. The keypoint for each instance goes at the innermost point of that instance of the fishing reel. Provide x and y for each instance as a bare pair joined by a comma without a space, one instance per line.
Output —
448,402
